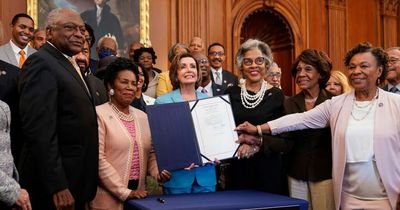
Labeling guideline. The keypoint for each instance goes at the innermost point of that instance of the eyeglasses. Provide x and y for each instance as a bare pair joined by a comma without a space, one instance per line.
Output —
220,53
258,61
393,60
202,61
70,27
274,74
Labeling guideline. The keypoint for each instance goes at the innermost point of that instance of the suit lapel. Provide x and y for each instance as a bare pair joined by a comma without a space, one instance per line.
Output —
64,62
10,55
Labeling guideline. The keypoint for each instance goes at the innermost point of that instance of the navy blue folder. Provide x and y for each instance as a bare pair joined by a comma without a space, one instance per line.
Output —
176,149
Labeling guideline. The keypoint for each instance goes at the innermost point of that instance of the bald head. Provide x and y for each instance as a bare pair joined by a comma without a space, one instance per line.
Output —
196,45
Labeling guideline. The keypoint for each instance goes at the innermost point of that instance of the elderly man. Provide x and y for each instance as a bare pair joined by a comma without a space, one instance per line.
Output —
207,86
59,163
273,76
393,75
17,49
107,46
39,38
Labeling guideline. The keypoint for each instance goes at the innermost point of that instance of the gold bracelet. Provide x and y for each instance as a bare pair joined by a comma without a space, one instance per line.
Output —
259,131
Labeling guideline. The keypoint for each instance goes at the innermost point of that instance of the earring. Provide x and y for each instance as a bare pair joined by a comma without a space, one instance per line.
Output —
111,92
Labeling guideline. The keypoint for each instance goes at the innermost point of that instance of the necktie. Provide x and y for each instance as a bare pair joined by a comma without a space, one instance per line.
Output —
98,16
204,90
78,70
218,78
393,89
21,58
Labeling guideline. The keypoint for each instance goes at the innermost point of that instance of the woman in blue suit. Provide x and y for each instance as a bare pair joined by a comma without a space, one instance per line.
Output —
184,73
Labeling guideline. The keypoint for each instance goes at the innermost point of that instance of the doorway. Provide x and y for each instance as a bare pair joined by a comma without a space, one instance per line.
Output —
272,28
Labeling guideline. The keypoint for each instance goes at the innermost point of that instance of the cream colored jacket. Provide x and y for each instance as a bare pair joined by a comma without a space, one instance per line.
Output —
115,157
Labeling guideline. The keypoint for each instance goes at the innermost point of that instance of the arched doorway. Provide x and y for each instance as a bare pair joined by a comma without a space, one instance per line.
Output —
269,26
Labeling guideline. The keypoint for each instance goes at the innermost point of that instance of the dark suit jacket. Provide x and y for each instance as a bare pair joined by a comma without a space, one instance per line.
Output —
98,89
9,94
109,23
228,79
217,89
60,130
311,156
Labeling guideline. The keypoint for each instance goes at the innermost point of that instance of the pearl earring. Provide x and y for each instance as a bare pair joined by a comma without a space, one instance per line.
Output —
111,92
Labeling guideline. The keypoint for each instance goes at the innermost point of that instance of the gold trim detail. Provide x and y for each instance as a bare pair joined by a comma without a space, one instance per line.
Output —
32,7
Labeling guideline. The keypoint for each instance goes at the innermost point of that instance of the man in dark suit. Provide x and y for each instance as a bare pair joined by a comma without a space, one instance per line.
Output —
103,21
216,57
96,85
59,162
393,75
207,86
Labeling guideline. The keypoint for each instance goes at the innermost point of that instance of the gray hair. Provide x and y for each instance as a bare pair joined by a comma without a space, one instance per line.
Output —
55,15
109,36
171,52
253,44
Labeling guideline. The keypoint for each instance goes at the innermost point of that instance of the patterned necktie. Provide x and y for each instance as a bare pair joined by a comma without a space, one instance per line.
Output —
393,89
21,58
218,78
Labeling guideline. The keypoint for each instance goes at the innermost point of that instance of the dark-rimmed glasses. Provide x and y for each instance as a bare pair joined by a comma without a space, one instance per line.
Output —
258,61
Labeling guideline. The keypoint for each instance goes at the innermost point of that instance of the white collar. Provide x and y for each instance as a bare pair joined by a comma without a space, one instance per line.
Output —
16,49
390,86
215,70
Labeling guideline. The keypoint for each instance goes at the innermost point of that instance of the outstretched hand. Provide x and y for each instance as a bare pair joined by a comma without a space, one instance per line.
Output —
246,127
249,139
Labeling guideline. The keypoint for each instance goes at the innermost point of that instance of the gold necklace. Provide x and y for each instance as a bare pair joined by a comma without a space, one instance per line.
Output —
370,105
125,117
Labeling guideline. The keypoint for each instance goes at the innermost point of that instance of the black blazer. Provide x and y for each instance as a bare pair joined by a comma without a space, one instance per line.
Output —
311,156
60,130
98,89
9,94
217,89
228,79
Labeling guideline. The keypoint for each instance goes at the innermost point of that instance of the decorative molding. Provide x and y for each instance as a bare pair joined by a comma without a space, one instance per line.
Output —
32,10
269,3
389,7
337,3
32,7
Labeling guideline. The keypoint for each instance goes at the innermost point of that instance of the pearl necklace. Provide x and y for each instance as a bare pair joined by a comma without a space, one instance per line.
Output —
251,101
121,115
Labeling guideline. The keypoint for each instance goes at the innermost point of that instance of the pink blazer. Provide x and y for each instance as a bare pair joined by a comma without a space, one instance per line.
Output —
336,113
115,157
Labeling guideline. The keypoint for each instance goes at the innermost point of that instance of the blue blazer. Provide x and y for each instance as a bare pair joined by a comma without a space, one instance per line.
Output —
204,175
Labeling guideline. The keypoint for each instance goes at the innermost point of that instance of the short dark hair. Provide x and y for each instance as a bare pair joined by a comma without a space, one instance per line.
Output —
319,60
215,44
19,15
146,78
138,52
380,55
115,67
175,65
92,40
